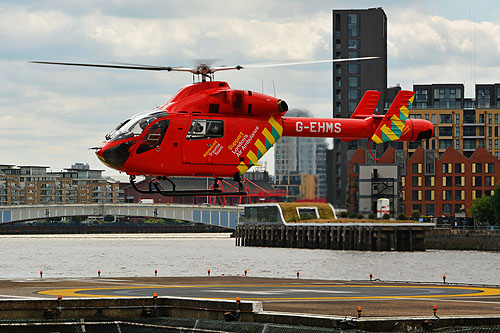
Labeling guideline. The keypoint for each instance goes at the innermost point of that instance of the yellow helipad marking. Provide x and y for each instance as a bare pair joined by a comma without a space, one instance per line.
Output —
475,291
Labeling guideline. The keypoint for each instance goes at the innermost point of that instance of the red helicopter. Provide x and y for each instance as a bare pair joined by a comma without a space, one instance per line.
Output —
208,129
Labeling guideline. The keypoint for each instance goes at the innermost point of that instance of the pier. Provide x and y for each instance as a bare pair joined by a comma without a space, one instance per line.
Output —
316,227
355,236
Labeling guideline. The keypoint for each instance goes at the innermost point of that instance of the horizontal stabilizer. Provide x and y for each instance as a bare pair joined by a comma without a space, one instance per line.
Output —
391,127
367,105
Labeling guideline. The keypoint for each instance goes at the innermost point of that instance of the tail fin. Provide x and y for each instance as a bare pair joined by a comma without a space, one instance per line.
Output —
391,127
367,105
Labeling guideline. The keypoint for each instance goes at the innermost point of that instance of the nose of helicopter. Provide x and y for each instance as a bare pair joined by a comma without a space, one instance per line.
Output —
114,155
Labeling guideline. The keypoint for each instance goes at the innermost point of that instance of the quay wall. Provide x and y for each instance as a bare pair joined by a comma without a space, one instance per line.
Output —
456,239
362,237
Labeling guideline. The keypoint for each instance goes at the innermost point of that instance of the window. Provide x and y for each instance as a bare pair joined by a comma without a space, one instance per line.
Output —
445,118
353,69
490,131
338,82
353,54
433,117
457,131
490,144
429,195
469,131
338,108
445,131
353,44
353,25
490,167
429,210
483,98
154,136
205,129
416,168
445,143
477,168
470,144
447,195
353,94
490,118
457,119
496,144
416,195
417,207
477,181
416,181
353,81
448,98
429,180
352,107
429,162
447,208
489,180
496,118
447,181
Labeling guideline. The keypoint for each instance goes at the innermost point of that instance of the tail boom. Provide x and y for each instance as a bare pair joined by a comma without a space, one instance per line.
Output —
329,128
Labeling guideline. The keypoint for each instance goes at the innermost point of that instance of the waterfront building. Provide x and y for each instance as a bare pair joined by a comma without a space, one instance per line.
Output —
21,185
462,123
356,33
434,184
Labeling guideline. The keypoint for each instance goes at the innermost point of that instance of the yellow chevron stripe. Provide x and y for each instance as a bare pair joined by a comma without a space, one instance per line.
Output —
252,157
268,136
376,139
399,124
260,146
242,168
404,110
390,134
276,125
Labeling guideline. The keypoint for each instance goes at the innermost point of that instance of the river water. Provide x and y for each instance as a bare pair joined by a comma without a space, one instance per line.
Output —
129,255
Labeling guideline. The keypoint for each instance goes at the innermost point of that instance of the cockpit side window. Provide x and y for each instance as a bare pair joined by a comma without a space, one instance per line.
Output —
135,126
205,129
153,136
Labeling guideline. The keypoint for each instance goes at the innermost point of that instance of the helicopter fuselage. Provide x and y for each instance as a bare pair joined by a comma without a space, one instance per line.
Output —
209,129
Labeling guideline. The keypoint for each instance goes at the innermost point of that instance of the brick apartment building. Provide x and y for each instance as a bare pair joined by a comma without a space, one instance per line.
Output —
434,185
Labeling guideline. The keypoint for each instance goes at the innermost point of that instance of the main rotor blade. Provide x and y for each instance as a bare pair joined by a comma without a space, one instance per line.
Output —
304,62
120,66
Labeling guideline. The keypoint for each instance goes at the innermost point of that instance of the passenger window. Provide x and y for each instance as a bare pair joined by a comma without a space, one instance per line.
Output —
154,136
205,129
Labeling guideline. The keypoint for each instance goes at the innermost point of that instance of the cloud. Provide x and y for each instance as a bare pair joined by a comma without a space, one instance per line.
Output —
433,49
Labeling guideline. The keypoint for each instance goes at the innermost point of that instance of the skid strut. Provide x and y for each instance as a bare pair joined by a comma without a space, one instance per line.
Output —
154,187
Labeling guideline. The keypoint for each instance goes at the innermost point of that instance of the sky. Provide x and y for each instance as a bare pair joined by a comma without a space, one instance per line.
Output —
51,115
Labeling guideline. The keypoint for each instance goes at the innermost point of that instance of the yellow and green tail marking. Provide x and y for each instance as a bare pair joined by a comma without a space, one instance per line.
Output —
391,127
262,145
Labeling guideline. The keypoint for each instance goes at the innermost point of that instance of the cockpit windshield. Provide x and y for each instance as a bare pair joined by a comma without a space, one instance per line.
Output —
135,125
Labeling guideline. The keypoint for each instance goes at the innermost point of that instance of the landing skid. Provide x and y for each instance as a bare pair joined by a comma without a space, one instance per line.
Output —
155,187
